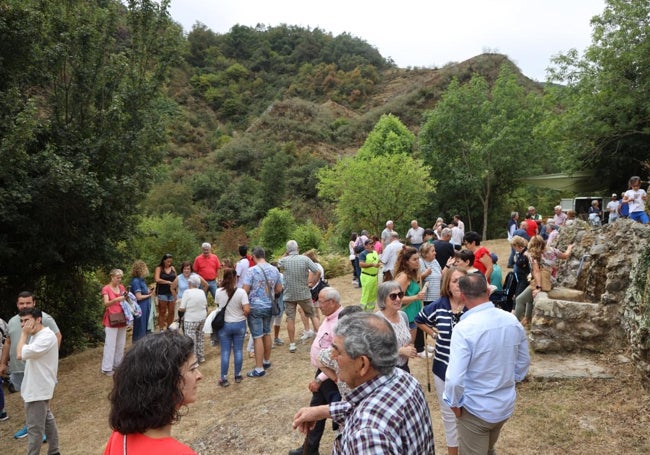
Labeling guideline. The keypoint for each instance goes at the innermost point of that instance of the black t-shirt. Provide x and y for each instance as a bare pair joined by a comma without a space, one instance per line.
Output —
444,250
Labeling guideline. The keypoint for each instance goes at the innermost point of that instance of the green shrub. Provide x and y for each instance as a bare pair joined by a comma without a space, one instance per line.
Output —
308,236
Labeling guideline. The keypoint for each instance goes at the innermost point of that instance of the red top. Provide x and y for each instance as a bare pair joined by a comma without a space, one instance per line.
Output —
478,254
115,307
531,228
207,267
139,444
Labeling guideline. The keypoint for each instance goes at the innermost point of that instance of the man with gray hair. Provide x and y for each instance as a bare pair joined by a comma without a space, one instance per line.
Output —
296,270
207,265
389,256
444,248
323,389
386,411
480,378
385,234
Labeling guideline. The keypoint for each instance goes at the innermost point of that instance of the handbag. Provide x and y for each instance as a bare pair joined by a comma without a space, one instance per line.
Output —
117,318
220,318
275,304
546,284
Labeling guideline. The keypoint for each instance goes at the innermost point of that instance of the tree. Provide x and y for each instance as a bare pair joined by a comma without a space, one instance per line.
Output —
605,125
478,139
389,136
369,191
80,130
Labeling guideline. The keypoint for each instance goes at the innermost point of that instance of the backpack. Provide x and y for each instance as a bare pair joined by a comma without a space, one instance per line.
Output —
506,299
358,247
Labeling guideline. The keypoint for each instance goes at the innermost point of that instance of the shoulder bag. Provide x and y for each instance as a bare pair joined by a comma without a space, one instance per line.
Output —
220,318
275,305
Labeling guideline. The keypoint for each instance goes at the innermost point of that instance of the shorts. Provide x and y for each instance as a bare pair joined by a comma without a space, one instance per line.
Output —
640,216
306,305
165,298
259,322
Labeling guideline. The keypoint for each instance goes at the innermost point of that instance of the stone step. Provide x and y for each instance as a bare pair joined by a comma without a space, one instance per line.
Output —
566,366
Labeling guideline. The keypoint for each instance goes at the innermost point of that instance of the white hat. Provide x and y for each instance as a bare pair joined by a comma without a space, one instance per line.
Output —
614,195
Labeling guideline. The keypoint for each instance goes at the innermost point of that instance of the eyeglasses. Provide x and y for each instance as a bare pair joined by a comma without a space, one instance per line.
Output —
393,296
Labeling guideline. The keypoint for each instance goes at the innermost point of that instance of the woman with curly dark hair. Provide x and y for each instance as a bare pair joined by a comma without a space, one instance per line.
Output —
158,376
407,275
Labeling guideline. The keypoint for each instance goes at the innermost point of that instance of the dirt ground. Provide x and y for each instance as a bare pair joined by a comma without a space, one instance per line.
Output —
581,416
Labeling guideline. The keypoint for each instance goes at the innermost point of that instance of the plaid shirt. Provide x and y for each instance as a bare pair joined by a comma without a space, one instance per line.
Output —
386,415
296,271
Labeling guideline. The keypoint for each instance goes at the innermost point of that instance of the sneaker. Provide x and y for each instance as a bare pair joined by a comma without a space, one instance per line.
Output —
292,347
22,433
3,416
307,334
266,365
278,342
238,379
223,382
255,374
425,354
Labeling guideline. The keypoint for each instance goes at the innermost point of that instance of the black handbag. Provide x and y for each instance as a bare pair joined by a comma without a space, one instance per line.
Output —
220,318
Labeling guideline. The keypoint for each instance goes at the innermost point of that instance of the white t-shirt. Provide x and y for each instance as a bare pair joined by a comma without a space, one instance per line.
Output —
635,200
195,305
41,356
241,269
234,310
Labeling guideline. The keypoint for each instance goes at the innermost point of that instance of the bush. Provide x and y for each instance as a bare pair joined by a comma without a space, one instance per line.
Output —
276,229
335,265
308,236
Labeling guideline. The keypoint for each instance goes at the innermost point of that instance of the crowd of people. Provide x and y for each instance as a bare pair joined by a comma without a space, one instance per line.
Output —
434,284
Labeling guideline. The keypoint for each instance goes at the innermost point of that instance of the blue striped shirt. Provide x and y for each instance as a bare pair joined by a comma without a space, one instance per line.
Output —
439,316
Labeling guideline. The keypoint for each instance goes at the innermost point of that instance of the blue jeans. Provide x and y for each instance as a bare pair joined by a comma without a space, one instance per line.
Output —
259,322
212,288
140,324
232,335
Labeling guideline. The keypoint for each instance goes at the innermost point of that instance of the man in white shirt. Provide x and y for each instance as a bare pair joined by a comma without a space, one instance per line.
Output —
41,356
242,265
415,235
612,208
457,235
385,234
389,256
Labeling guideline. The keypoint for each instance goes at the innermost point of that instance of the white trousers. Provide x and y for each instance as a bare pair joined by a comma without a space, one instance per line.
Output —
113,348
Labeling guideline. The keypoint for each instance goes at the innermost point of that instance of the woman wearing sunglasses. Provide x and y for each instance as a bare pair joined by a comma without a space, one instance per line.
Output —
389,302
438,320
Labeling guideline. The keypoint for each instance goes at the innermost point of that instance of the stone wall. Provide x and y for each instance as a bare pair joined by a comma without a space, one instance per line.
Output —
597,305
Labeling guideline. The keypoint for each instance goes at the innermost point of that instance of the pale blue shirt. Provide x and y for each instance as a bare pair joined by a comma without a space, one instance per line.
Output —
489,353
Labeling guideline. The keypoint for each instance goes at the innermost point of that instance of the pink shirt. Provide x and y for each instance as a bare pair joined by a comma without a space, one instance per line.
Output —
324,337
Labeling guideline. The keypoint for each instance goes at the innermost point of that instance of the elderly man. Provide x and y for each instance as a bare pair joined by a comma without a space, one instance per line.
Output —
386,411
480,380
415,235
444,248
612,208
389,256
207,265
9,353
559,217
296,270
385,234
324,390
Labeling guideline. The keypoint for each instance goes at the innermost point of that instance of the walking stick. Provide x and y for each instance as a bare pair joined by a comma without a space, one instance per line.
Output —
426,357
305,445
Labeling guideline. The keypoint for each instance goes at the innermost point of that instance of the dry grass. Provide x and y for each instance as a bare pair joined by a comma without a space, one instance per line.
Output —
581,416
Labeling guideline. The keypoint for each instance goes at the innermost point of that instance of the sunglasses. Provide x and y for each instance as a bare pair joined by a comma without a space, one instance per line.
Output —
393,296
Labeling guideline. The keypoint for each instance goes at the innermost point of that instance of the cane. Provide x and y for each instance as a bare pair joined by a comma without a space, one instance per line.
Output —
305,445
426,356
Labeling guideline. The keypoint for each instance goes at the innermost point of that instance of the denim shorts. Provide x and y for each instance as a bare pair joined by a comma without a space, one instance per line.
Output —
165,297
259,322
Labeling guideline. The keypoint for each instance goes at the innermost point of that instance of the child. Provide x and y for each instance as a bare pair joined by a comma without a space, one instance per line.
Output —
635,198
497,277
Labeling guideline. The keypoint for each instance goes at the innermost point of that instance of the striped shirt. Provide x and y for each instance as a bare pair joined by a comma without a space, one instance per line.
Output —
439,316
432,280
387,414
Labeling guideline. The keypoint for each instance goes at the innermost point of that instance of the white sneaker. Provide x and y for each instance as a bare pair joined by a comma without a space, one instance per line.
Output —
424,354
292,347
307,334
